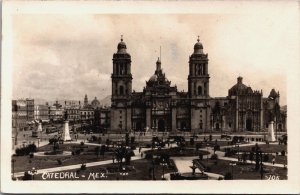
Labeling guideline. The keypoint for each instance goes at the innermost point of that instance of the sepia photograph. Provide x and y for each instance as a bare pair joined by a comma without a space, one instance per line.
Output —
117,93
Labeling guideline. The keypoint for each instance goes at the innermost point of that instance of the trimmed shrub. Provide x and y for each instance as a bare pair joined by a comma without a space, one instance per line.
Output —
214,157
266,158
83,167
59,162
26,150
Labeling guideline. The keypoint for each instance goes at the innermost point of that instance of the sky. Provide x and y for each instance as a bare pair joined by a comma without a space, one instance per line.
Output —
65,56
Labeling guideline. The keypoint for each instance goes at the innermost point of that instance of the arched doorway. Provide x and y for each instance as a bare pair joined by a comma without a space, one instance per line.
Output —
249,124
138,126
217,126
161,125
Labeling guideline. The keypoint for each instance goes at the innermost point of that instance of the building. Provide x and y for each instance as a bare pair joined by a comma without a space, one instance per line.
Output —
87,115
102,119
19,114
56,112
161,107
30,109
41,113
95,103
87,111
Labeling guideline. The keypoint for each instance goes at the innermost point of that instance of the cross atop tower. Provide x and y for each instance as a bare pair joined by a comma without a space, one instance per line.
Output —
121,37
198,38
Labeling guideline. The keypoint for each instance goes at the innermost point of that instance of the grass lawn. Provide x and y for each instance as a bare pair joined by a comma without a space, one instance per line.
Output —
24,163
271,148
278,159
245,171
138,170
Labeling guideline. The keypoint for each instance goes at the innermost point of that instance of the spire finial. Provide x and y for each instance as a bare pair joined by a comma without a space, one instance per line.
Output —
121,37
198,38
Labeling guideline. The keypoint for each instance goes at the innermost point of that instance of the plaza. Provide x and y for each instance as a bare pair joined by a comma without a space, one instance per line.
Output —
153,156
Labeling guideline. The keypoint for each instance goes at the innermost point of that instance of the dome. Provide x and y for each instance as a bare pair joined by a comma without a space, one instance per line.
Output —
239,87
153,78
198,47
122,46
95,102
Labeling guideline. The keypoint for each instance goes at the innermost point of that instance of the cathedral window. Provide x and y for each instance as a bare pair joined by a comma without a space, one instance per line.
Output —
125,69
121,90
199,90
117,65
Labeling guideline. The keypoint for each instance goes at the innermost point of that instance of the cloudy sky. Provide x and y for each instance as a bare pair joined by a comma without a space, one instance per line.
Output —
57,56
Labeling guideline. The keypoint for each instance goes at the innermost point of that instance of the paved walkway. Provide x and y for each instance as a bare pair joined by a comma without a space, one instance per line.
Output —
183,166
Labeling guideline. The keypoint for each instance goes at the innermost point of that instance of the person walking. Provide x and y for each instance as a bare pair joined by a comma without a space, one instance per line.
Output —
273,160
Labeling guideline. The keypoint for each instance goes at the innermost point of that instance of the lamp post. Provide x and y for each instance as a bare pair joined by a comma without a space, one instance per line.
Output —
38,139
163,163
232,164
238,146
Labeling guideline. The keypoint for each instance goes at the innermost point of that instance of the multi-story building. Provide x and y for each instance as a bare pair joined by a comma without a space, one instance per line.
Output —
30,109
19,114
41,113
87,115
102,119
56,113
160,106
73,113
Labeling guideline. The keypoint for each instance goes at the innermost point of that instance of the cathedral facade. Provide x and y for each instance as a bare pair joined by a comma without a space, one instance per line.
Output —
161,107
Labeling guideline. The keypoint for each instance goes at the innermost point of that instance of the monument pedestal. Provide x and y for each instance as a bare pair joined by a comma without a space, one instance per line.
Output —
271,136
66,132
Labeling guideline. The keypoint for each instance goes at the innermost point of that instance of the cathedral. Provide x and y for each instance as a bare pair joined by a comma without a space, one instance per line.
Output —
161,107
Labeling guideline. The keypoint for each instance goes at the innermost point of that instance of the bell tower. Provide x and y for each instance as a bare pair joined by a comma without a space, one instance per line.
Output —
198,89
121,88
198,79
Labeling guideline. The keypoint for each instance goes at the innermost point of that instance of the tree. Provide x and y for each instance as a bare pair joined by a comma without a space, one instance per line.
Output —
251,156
122,153
244,157
257,157
102,150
